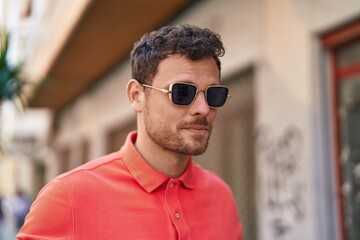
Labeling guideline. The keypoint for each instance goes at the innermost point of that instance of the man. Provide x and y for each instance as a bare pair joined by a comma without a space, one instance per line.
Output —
151,188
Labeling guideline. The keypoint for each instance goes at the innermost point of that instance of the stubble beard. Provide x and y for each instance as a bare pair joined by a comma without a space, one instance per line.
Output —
173,141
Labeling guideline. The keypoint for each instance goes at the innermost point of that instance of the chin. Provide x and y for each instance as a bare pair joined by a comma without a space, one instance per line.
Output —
197,149
197,153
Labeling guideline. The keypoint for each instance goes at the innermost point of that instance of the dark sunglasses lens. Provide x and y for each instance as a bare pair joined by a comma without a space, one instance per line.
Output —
216,96
183,94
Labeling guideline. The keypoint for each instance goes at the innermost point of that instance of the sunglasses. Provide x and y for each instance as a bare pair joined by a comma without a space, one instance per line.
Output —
184,94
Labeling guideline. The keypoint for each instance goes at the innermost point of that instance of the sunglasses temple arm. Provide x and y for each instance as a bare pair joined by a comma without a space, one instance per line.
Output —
159,89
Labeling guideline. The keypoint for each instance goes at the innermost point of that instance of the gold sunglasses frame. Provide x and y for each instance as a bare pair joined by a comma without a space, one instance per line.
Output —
169,91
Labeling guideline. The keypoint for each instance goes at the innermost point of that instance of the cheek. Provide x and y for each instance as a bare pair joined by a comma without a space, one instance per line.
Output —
163,113
159,102
212,115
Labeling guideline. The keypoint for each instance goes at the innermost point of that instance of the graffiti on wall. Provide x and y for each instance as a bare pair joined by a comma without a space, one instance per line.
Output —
283,185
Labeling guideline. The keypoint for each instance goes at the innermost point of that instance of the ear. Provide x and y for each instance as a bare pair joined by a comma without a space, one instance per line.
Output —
135,95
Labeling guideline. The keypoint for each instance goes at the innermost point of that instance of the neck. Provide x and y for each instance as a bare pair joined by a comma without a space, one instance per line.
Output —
167,162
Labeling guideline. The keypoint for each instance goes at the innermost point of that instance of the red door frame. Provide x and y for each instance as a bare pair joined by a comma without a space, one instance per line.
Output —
332,41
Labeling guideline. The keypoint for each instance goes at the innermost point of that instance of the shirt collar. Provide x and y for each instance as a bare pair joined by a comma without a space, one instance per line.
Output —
144,174
187,178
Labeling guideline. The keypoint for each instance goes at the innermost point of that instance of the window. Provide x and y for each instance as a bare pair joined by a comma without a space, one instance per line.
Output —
344,50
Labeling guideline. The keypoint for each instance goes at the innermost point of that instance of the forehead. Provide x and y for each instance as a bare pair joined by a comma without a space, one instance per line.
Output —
178,68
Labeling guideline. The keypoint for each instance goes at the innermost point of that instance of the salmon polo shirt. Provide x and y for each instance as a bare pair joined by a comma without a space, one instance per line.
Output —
120,196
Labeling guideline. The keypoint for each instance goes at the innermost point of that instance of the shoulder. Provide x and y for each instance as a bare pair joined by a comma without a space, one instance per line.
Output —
206,177
97,170
218,197
88,178
59,189
98,164
211,182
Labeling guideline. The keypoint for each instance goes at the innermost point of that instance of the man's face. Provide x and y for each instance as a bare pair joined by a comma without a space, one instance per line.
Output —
180,129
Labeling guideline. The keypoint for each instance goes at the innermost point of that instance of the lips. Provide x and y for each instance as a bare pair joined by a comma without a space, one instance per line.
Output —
197,127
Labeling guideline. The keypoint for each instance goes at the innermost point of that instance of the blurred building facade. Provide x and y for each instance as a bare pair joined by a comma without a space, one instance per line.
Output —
287,142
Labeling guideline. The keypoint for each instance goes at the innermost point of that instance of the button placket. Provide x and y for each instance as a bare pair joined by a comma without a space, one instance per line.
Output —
172,193
174,208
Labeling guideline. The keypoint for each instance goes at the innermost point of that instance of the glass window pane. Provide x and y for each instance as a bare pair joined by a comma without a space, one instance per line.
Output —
349,54
350,143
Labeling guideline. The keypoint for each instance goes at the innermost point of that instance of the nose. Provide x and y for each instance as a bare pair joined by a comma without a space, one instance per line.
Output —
200,105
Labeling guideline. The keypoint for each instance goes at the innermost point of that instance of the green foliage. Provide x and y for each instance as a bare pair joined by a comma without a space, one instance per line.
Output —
10,81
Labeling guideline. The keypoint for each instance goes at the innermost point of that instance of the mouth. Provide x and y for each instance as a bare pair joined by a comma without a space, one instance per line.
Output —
198,126
197,129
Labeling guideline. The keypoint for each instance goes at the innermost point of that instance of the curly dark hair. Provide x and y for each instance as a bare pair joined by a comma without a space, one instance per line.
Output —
193,42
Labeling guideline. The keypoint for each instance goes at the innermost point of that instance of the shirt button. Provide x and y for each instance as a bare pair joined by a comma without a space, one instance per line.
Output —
177,215
171,185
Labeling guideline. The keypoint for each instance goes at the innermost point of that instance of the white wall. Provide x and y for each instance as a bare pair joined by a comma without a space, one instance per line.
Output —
291,132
